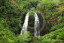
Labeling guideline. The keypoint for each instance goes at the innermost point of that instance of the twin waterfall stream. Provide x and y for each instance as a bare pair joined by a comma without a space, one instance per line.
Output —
36,25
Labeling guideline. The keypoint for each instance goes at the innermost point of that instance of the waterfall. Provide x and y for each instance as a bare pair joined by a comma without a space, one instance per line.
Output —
25,25
36,26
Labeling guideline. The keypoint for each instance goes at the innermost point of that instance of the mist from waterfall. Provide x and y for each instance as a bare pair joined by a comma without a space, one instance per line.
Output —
36,26
25,25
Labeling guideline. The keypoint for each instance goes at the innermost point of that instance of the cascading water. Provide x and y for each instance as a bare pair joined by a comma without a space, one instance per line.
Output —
25,25
36,26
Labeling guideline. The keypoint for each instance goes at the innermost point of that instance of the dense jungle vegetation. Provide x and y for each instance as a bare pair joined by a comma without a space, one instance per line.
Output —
11,10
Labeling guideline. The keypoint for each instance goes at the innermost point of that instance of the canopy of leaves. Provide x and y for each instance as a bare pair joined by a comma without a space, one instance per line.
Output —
12,10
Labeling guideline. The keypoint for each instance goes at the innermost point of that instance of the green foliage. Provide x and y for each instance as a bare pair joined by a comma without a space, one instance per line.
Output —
25,38
56,2
53,34
53,37
5,34
8,36
58,26
10,13
45,5
9,20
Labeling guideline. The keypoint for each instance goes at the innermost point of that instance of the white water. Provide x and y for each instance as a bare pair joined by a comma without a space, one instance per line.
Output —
36,26
25,25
